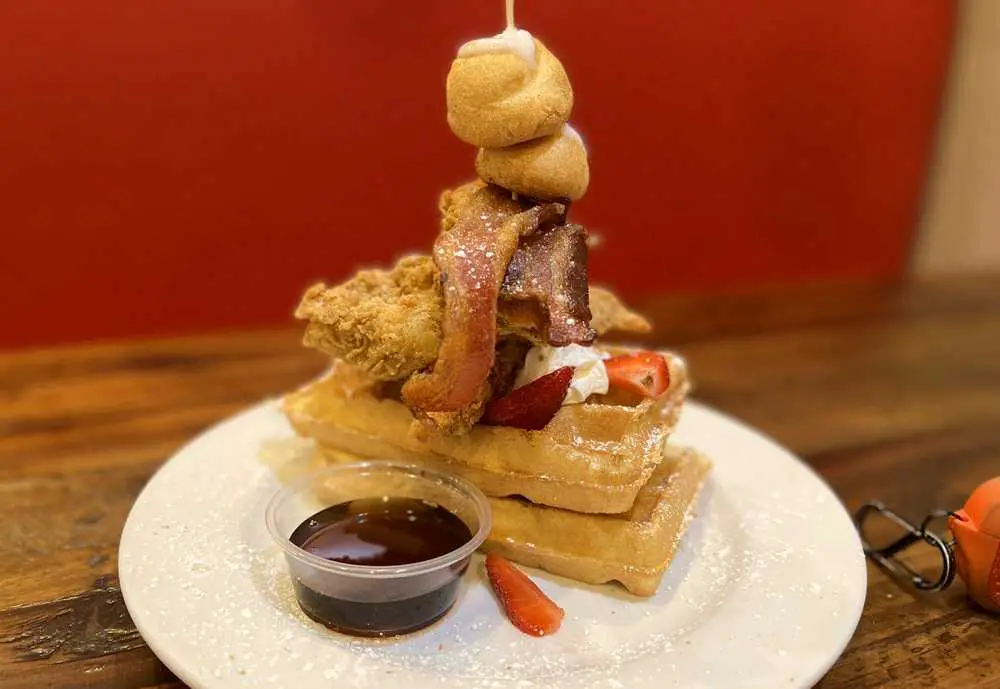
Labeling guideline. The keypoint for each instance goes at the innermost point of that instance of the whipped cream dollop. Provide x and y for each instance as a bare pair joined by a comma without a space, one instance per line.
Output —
590,376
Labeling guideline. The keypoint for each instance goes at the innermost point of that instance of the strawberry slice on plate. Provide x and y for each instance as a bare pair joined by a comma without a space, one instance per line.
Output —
525,605
531,406
644,373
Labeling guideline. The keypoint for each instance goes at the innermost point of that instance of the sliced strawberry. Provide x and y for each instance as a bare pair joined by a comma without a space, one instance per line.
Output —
526,606
644,373
533,405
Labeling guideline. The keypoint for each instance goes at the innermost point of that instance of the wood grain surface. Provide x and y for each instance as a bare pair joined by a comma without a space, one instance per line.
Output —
888,391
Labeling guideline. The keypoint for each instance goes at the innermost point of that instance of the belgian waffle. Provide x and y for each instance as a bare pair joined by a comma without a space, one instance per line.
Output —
592,457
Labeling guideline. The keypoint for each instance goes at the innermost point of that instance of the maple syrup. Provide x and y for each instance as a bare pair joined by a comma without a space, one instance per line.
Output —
381,532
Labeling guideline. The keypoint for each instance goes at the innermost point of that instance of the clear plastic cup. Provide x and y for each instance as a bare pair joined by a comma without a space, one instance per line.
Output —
384,600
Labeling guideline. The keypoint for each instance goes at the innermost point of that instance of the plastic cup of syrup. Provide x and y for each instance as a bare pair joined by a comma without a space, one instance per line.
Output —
378,548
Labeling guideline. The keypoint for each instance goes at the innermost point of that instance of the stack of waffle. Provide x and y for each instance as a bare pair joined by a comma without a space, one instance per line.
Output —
596,496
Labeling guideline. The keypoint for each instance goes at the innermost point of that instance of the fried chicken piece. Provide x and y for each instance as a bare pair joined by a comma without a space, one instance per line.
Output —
454,201
388,322
609,315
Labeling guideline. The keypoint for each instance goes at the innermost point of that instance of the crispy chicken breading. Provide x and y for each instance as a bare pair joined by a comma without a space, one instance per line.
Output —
609,315
388,322
454,201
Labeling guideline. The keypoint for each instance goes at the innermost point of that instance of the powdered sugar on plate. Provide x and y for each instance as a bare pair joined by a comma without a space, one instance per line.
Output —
765,590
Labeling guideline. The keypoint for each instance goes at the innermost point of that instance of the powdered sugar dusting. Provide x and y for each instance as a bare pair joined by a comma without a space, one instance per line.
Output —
753,588
475,647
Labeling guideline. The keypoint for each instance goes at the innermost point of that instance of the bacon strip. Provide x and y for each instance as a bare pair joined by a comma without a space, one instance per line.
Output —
472,257
546,286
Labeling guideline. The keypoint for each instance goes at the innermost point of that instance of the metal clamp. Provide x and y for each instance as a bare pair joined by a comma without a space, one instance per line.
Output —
885,557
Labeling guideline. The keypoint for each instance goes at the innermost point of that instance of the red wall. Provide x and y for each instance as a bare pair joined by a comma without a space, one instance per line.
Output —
174,165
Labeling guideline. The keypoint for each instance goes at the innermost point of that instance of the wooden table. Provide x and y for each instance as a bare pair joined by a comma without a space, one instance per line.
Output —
890,391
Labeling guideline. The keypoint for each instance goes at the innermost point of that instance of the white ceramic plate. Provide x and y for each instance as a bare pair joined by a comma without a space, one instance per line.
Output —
765,592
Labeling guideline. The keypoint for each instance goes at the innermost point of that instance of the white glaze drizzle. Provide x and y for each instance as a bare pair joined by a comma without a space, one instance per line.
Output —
518,41
570,133
512,40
